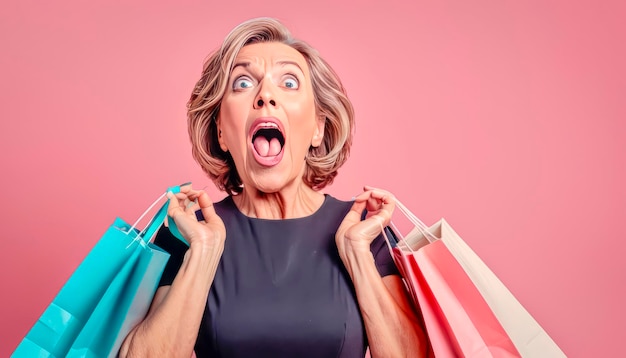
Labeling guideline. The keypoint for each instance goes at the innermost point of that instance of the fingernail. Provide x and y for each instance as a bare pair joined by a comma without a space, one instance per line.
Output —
187,183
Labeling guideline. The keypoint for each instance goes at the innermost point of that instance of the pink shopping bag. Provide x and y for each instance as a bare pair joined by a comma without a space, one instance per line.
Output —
459,322
467,310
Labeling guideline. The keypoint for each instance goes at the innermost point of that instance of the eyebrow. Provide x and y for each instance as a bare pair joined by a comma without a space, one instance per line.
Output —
288,62
246,64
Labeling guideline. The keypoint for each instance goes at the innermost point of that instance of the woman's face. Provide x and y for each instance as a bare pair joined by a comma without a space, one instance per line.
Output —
267,119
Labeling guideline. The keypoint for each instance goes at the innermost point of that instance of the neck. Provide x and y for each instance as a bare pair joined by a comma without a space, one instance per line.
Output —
289,203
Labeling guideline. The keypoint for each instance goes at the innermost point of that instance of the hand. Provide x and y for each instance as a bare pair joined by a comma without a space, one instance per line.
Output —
182,208
355,234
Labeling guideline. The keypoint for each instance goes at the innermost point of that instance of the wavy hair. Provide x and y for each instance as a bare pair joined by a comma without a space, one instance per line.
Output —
331,102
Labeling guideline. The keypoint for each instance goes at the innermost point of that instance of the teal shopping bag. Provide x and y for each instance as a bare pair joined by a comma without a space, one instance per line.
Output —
106,296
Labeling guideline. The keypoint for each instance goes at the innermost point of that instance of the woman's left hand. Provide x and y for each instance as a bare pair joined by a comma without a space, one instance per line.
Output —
355,235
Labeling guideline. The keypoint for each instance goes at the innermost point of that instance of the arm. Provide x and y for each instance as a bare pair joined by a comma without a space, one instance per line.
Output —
172,323
390,322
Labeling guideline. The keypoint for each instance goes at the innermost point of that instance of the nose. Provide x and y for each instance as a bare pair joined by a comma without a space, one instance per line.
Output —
261,102
265,97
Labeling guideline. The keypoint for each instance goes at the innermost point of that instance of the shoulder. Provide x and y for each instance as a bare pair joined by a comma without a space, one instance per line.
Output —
224,205
336,206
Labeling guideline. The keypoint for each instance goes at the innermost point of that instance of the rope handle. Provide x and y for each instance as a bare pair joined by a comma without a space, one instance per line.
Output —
155,223
400,239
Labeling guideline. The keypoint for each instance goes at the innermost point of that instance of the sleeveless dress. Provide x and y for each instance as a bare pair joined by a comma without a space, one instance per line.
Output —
280,289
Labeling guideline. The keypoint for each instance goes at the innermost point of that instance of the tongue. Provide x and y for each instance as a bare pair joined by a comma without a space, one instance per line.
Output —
267,148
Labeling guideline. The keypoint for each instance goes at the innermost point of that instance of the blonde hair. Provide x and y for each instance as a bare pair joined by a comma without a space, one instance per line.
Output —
330,98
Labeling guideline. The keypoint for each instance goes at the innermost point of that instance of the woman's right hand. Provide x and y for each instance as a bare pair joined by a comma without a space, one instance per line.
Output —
173,321
182,209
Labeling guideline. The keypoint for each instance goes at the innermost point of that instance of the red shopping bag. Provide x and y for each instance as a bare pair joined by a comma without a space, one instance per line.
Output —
458,321
467,310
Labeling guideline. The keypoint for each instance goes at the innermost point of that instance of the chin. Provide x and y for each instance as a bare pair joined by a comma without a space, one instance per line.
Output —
270,180
269,183
270,188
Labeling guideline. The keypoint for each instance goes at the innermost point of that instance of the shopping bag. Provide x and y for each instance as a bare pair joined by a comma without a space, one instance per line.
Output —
466,309
106,296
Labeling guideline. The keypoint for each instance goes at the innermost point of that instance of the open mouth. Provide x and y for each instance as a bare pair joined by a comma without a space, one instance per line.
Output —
268,140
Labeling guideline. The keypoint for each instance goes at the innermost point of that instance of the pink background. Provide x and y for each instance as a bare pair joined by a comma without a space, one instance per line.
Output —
504,117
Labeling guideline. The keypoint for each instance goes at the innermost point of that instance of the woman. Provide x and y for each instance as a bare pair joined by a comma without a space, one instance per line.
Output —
276,269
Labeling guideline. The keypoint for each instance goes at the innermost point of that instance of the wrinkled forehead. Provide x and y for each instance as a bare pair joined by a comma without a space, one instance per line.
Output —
270,54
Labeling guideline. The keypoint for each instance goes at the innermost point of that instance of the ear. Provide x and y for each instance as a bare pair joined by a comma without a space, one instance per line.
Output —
220,137
318,136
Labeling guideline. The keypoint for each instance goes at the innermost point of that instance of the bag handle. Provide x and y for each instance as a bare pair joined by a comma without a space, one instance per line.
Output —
419,225
155,223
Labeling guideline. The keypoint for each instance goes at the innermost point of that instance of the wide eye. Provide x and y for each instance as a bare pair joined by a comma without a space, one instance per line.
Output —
291,82
242,83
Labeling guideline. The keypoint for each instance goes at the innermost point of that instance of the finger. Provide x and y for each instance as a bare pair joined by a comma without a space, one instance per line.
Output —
385,210
372,226
369,191
187,200
352,217
173,206
192,207
379,202
376,221
185,188
353,227
186,195
364,196
375,199
193,194
383,216
206,206
371,203
180,196
376,192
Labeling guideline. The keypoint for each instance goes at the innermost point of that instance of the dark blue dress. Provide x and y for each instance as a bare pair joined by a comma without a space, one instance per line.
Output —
280,289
